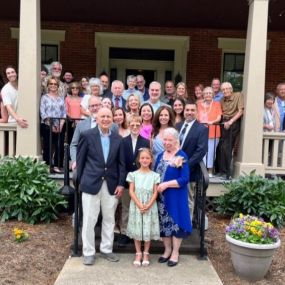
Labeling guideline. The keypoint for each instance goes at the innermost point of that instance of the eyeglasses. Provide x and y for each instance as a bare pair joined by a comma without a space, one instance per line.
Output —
74,87
51,83
135,125
94,105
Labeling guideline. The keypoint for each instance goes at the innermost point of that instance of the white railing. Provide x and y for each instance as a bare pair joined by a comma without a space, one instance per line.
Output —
274,152
8,139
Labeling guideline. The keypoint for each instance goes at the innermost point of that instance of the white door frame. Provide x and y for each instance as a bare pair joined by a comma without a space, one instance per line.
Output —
180,45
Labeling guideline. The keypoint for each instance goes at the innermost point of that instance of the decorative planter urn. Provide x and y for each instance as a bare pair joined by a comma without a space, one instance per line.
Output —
251,261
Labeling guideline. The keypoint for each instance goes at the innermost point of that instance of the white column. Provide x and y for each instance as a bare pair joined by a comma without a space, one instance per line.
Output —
28,142
250,149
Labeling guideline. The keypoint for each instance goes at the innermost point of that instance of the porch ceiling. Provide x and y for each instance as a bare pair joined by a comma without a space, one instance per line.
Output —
179,13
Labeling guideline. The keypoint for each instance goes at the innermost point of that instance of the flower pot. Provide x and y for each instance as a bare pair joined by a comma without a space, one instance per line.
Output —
251,261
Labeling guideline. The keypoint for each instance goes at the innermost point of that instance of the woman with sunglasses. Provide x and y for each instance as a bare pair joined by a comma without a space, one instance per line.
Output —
53,113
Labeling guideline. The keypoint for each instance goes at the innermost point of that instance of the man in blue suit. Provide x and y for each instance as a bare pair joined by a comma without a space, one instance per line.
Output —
101,177
131,144
194,142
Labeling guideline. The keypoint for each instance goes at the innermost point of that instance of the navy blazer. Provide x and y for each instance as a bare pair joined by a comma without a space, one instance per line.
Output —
91,167
82,126
130,156
195,146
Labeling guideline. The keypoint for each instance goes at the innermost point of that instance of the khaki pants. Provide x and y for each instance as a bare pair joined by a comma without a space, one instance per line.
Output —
91,207
191,198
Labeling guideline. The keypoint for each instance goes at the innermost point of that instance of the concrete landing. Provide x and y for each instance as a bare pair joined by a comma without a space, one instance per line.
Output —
190,271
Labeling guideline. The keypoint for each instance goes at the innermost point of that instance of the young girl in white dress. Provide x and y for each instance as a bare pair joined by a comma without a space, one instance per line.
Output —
143,223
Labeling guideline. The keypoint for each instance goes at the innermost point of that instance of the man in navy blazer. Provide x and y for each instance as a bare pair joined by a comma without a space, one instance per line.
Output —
194,142
131,144
94,105
101,177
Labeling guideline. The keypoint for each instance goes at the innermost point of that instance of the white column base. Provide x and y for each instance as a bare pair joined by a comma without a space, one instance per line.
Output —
242,167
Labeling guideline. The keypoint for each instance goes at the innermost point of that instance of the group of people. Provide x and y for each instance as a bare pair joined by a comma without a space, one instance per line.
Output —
154,193
137,146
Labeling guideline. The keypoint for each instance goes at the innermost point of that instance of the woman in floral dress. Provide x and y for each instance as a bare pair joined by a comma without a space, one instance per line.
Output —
173,210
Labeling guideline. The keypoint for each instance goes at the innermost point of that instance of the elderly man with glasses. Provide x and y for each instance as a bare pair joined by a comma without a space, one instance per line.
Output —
89,123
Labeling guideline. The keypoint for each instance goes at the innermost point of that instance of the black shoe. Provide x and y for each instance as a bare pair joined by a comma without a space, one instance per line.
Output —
163,259
123,240
172,263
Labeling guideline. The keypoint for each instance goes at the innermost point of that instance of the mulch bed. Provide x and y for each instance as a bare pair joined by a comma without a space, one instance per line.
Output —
37,260
40,259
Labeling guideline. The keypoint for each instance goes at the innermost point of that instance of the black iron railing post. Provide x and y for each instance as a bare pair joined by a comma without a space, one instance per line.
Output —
77,216
200,204
50,144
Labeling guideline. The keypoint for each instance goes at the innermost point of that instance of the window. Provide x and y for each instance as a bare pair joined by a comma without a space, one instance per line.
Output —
49,53
233,69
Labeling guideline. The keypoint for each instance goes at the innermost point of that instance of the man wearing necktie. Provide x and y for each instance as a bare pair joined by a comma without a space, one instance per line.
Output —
193,138
116,97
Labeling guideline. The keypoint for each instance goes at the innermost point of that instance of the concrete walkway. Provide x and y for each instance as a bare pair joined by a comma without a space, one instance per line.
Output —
190,271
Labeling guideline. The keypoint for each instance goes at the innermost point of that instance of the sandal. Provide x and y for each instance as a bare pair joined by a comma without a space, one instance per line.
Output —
57,170
145,262
137,263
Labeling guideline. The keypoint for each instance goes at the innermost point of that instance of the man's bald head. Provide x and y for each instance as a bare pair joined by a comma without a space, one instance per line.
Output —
104,119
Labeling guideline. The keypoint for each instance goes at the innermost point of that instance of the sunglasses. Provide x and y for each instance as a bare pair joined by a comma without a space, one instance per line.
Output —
74,87
53,84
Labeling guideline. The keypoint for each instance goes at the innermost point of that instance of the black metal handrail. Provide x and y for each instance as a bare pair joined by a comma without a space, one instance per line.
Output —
77,214
201,185
66,137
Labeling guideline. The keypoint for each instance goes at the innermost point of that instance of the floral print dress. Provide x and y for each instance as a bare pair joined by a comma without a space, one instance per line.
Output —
143,226
168,227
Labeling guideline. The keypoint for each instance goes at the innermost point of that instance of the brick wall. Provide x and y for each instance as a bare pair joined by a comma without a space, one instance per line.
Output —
78,52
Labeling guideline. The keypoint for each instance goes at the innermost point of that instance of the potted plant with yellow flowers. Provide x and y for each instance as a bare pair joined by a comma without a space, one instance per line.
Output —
252,244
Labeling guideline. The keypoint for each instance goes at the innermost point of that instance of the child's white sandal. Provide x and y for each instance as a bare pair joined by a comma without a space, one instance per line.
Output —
137,263
145,262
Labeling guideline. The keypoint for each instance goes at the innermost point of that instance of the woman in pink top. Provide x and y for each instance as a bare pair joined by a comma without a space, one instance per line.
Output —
73,110
147,114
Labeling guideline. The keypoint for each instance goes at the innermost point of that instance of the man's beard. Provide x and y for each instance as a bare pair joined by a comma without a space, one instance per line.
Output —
56,74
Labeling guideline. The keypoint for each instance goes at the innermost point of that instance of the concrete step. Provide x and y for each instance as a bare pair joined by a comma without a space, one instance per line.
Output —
189,245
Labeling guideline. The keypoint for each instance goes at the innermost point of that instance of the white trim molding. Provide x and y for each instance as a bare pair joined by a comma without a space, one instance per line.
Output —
179,44
235,44
47,36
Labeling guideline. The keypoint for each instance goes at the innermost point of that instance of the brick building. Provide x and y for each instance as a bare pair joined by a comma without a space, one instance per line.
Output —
243,42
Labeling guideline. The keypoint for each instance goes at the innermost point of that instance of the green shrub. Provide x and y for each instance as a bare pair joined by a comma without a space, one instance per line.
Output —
26,191
254,195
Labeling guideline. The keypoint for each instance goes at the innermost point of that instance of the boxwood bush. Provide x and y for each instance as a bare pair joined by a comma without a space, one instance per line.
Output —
252,194
26,191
